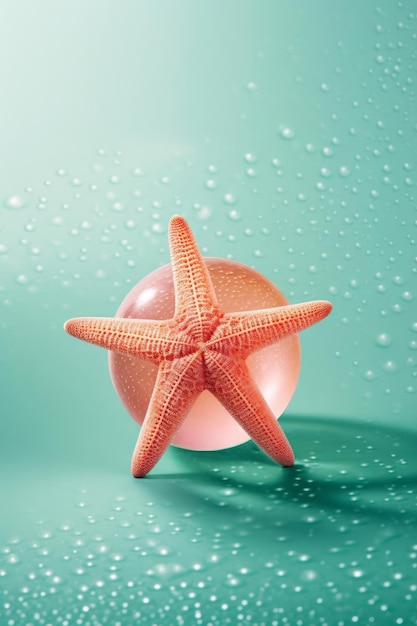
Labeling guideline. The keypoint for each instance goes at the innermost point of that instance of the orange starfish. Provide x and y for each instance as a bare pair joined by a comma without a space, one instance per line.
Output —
200,348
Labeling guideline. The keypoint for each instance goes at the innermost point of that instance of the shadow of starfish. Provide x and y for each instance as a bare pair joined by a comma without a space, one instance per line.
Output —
358,476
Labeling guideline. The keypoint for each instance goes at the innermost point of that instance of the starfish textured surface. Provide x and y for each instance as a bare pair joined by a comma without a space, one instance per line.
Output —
200,348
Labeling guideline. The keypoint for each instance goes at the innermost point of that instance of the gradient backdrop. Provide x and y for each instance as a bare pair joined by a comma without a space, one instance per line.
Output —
285,132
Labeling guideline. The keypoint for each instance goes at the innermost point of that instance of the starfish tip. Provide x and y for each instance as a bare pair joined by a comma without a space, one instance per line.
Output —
74,327
68,326
176,219
325,307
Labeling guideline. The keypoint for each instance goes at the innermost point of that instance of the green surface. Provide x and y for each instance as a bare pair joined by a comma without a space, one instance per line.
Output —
222,538
285,132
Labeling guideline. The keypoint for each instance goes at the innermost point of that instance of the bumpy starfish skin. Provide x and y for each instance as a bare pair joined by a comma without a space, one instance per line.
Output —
200,348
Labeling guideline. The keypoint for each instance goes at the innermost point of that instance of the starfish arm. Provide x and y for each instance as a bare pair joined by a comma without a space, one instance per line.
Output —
195,298
148,339
245,332
177,386
229,380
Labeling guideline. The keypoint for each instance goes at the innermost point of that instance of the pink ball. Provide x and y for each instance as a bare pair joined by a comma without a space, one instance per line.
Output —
275,369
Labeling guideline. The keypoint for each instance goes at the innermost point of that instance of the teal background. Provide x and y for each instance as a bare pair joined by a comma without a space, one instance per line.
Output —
285,132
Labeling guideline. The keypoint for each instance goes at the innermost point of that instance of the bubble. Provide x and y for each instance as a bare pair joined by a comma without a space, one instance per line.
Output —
211,183
208,425
250,158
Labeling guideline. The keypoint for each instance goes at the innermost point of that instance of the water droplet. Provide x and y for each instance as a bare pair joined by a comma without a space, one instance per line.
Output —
211,184
407,296
391,367
229,198
383,340
234,215
286,132
344,171
22,279
14,202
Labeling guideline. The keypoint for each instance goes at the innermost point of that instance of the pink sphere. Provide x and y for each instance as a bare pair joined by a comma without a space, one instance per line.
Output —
275,369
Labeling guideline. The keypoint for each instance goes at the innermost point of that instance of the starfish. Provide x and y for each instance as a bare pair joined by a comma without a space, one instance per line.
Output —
200,348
